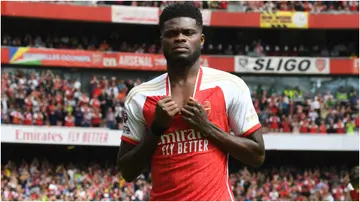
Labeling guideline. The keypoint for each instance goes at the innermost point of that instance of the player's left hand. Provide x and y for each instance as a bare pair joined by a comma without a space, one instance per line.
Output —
195,115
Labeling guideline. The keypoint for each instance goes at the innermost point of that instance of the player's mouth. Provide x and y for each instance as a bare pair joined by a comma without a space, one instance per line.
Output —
180,49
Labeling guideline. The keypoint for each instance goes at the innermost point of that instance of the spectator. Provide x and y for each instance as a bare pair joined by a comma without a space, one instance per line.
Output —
331,127
313,128
304,126
110,118
339,126
78,115
17,116
69,120
96,117
322,127
350,127
87,116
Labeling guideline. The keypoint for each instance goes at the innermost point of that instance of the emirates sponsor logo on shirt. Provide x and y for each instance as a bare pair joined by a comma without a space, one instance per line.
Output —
183,142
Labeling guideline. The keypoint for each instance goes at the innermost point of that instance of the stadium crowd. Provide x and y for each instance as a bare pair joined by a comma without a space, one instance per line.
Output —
245,6
44,181
255,48
48,99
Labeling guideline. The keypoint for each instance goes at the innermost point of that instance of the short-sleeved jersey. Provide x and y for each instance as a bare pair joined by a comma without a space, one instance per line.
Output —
186,165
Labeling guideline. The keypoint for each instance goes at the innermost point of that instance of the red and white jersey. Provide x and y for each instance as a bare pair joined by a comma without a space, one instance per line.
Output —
86,113
59,99
274,119
39,118
17,117
322,128
186,165
28,120
96,118
313,128
69,121
340,127
28,102
85,109
84,99
69,93
95,103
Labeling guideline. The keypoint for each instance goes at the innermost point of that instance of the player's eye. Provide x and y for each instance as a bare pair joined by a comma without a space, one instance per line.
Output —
170,34
188,32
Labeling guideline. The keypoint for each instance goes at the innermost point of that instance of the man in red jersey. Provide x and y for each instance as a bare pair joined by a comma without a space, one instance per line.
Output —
179,122
352,185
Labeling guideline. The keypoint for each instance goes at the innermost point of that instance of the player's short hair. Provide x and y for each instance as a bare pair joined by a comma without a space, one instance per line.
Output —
177,9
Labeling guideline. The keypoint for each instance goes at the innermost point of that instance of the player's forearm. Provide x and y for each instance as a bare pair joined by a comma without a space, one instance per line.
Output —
243,149
133,163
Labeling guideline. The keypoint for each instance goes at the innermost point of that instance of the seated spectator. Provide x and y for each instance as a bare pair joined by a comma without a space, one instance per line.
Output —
313,128
322,127
69,120
110,118
285,125
331,127
350,127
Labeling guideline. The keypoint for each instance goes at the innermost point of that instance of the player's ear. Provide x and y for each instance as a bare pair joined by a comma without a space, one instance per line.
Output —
202,39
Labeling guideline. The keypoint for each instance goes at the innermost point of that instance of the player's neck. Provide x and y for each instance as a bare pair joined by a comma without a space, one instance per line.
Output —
183,74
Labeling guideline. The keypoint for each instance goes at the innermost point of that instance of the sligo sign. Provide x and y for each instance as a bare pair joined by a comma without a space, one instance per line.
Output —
282,65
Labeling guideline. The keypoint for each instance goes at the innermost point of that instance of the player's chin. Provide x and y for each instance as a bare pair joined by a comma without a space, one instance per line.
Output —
181,56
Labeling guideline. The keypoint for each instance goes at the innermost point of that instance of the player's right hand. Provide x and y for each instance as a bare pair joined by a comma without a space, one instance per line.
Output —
165,111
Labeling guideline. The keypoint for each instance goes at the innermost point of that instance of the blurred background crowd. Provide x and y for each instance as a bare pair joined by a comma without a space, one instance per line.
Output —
46,182
51,179
255,48
49,99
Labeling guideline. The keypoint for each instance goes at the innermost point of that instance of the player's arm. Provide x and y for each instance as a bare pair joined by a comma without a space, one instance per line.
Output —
247,145
133,159
249,150
135,151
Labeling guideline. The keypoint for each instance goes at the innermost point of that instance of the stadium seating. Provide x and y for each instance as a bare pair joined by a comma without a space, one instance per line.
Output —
26,101
68,182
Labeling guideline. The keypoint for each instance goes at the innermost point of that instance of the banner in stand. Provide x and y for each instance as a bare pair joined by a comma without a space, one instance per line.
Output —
156,62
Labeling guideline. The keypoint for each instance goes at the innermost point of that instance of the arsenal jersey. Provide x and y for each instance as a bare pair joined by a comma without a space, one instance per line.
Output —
186,165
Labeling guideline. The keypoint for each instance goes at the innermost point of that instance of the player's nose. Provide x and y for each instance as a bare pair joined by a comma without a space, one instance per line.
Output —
179,38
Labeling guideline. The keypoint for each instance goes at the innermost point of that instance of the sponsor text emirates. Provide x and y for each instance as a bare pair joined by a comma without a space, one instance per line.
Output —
61,137
183,142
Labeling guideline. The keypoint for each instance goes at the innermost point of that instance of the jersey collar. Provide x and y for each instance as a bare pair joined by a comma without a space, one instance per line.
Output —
196,87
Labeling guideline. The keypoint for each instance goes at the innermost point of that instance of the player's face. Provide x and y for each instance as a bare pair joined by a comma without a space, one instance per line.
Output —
181,40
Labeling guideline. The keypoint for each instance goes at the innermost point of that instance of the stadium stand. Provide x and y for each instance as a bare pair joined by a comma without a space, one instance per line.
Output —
65,76
46,99
68,174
